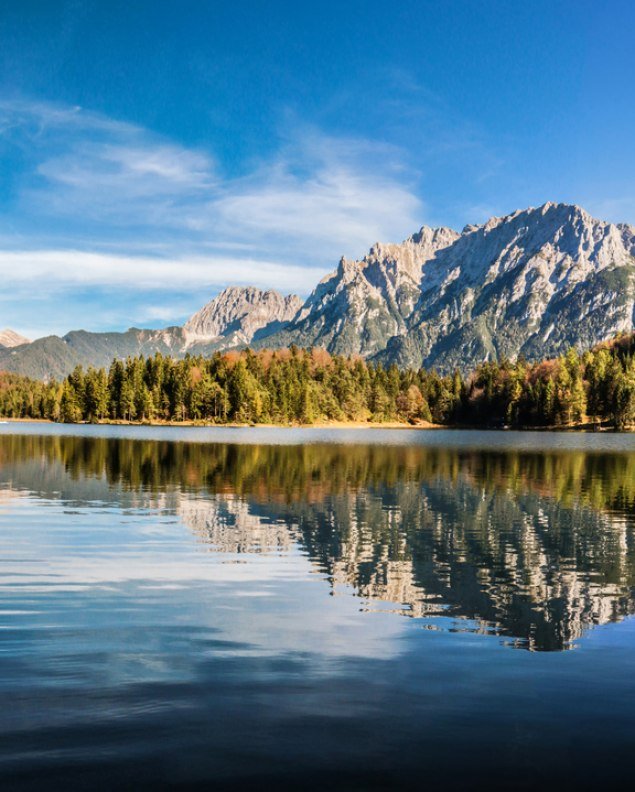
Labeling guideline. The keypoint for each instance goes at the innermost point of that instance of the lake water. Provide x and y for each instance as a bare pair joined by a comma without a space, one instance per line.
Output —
315,609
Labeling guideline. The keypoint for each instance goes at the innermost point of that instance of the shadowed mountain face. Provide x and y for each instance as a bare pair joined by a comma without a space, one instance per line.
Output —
538,548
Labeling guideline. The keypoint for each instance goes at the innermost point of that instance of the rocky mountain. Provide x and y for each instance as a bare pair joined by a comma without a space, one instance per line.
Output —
235,317
10,339
533,283
360,306
240,315
54,357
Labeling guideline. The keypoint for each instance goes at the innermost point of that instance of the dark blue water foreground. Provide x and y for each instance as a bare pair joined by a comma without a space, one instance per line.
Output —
312,609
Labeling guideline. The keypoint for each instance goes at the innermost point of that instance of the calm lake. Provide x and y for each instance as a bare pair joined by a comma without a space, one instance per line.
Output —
315,609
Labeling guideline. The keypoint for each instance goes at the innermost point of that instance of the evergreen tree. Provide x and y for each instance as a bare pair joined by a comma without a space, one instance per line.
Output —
303,386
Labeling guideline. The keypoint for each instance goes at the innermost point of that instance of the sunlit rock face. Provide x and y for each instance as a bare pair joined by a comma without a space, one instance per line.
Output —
362,304
9,339
532,283
238,314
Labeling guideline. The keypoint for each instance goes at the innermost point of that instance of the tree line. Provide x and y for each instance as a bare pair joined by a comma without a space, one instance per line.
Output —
305,386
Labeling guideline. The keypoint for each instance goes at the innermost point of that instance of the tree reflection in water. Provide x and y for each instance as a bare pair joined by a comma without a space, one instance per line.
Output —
538,547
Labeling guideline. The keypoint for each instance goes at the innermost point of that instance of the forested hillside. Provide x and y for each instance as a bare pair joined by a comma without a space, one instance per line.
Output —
307,386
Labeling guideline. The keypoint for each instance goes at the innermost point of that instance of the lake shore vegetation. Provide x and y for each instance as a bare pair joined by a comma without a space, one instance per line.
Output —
296,386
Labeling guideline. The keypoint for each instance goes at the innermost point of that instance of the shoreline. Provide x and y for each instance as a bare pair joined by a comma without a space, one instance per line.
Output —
230,425
584,428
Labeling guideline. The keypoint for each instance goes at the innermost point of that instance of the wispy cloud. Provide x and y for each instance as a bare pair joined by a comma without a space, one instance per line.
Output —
54,291
142,171
86,169
100,203
33,119
318,195
62,270
322,196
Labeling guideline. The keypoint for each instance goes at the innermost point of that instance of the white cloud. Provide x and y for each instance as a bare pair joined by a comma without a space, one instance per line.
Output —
53,291
337,208
103,204
142,171
34,118
320,196
64,269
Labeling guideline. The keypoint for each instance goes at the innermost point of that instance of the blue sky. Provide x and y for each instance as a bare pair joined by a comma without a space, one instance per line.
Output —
152,153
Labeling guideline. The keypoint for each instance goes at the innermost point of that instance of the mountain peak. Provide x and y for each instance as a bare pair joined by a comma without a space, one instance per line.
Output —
533,282
449,300
239,312
9,338
565,212
427,235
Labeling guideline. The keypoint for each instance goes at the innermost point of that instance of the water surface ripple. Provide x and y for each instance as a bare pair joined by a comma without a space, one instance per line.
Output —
315,608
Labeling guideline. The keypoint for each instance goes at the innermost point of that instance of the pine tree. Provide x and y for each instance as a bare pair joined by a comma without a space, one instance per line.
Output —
70,410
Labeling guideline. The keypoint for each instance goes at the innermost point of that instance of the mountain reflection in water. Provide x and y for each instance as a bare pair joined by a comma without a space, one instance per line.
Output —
536,547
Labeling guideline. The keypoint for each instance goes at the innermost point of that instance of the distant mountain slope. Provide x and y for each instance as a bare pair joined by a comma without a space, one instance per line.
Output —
239,314
9,338
533,283
233,318
55,357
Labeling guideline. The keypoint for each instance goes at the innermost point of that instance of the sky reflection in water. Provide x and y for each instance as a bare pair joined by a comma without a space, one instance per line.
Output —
178,612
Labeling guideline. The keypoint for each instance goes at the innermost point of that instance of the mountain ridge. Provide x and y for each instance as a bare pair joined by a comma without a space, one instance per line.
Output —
532,283
240,313
9,339
517,284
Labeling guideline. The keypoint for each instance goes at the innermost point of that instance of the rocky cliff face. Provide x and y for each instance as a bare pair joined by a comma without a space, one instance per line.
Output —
10,339
240,314
533,283
360,306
